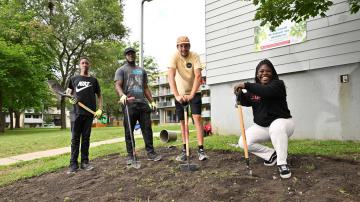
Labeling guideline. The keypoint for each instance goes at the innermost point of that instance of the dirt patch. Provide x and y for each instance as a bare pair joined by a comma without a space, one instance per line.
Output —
222,178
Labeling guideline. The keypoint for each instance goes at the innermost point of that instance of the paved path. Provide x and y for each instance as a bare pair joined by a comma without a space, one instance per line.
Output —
64,150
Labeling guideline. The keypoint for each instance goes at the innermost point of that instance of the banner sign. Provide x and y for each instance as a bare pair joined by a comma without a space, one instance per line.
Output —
287,33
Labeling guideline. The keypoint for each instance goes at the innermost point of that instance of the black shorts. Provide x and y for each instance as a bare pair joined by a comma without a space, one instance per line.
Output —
195,105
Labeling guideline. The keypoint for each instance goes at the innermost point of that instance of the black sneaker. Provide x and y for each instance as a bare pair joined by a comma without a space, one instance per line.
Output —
73,169
202,155
86,166
182,156
129,159
272,160
153,156
284,171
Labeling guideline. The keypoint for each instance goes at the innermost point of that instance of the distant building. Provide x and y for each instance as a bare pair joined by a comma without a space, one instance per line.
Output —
31,118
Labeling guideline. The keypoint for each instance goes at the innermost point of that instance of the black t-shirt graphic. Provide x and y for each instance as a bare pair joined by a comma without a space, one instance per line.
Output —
84,89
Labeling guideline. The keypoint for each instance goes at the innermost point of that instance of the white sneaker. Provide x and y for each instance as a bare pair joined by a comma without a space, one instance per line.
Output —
284,171
202,155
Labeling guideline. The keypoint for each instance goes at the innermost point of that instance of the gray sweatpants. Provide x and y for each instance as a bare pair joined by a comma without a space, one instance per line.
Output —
278,132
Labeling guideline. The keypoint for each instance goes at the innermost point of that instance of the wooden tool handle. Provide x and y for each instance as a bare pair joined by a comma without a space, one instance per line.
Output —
243,135
86,108
186,131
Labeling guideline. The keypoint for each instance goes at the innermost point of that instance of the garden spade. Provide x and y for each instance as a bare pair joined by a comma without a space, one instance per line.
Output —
246,152
187,166
135,163
55,87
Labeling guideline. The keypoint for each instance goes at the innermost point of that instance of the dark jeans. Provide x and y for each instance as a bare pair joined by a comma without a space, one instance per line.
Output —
81,128
139,112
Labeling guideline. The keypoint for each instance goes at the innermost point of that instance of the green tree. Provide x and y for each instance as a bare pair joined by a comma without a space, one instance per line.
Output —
24,59
77,26
277,11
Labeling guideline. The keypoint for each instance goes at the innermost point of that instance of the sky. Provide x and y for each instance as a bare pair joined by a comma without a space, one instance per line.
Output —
164,21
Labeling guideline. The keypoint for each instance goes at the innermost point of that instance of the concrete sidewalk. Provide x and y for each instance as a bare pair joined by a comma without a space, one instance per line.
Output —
64,150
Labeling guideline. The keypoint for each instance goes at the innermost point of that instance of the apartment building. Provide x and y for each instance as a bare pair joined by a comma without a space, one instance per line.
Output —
28,119
31,118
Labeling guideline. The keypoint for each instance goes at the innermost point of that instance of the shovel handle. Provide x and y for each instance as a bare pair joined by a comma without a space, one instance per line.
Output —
186,132
86,108
243,135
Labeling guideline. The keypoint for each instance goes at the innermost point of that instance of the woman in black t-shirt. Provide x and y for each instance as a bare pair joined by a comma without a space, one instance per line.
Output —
272,118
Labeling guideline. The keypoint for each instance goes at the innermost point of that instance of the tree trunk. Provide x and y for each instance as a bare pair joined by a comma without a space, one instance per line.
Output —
2,115
17,119
63,113
11,118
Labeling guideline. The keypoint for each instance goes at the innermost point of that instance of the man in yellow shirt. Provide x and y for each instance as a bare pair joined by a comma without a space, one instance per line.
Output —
185,78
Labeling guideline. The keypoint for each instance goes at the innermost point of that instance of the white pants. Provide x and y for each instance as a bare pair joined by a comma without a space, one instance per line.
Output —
278,132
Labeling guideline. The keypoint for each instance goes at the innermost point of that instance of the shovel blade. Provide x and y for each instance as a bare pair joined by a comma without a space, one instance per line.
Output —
135,164
189,167
249,171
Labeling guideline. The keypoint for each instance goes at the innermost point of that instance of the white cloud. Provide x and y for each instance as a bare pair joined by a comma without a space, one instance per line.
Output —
164,21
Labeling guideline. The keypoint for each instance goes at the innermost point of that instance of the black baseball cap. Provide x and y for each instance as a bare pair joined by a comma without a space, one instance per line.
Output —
128,50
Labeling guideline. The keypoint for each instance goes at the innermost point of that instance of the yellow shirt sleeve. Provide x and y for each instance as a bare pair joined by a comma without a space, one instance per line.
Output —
197,63
172,63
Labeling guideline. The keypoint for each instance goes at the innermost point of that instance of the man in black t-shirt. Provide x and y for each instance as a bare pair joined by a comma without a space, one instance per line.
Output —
84,88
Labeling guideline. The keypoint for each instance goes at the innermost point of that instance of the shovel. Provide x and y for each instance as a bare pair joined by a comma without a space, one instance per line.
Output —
187,166
246,152
135,163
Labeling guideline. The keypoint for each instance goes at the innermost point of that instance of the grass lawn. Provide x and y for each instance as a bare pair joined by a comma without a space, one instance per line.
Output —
37,167
21,141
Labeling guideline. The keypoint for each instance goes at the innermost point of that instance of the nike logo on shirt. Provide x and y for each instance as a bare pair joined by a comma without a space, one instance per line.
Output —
82,85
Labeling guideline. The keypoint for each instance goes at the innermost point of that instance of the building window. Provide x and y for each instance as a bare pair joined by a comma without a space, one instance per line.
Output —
28,116
36,116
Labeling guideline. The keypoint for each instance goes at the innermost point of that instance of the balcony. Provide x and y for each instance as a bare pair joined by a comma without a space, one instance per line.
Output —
166,104
206,114
205,100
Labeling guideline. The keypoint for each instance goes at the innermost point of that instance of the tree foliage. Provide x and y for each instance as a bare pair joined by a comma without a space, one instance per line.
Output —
25,56
277,11
77,26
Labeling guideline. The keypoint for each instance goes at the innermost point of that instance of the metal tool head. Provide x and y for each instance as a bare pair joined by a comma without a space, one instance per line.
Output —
187,167
248,168
135,164
57,88
249,171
